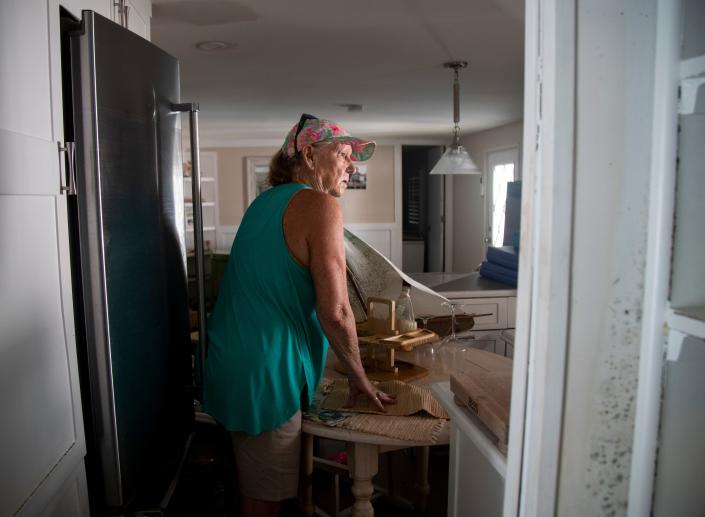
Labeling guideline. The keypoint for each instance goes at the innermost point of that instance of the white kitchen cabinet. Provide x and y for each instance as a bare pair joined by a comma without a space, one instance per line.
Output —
494,309
476,467
42,442
139,18
102,7
478,295
135,15
71,498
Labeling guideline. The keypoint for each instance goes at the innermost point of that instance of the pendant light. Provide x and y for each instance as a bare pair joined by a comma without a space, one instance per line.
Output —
455,159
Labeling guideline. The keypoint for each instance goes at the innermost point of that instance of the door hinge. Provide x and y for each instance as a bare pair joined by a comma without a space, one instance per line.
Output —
69,149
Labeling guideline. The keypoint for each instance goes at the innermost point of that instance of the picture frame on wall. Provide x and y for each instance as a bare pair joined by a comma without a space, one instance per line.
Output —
358,179
256,171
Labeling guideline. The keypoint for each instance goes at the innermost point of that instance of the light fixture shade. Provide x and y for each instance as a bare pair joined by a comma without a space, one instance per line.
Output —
455,160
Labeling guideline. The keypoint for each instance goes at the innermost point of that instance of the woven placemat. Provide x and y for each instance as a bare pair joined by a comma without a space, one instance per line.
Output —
416,428
421,427
411,400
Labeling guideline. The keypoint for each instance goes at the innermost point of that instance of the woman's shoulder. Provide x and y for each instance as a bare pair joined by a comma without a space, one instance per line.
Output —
315,204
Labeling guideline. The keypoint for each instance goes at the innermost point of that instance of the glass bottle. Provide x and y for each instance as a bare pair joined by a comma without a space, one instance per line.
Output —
405,321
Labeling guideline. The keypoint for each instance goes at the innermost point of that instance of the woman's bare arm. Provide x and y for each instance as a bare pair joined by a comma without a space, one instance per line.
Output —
323,223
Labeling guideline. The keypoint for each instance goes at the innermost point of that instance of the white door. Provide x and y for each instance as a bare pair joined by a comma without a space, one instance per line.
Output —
502,168
41,437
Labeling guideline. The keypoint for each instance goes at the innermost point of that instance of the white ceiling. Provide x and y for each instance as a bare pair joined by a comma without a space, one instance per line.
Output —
294,56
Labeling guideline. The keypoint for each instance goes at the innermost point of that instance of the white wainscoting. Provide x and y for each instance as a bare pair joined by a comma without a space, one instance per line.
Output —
224,236
384,237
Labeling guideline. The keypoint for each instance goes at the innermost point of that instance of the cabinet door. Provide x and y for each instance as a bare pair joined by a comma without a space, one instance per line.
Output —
474,485
494,309
71,498
41,439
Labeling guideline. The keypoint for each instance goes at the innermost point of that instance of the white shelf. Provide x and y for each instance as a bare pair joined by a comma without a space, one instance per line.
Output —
692,67
688,320
692,78
205,203
203,179
205,228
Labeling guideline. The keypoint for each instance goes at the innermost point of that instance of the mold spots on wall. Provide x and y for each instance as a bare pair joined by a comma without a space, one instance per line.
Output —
610,447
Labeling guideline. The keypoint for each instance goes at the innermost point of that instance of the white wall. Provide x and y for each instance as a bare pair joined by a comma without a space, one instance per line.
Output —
615,49
468,201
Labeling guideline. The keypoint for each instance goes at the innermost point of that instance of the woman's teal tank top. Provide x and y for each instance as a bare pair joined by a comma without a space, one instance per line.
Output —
265,344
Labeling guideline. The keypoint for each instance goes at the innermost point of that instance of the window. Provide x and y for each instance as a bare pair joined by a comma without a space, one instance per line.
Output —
501,170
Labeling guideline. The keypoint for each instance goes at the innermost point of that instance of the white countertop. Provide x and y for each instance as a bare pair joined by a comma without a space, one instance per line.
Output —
463,285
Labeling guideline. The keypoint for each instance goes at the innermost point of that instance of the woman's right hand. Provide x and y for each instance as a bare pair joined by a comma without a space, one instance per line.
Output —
363,386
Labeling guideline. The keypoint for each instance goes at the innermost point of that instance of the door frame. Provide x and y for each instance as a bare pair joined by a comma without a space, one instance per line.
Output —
533,463
659,241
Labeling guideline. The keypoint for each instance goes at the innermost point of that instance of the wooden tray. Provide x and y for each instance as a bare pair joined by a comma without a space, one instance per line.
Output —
409,340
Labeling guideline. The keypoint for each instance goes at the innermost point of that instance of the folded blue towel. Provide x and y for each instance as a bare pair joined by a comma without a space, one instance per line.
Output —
503,256
499,273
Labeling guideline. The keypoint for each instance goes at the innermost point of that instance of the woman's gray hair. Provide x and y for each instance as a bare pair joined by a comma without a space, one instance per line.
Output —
282,168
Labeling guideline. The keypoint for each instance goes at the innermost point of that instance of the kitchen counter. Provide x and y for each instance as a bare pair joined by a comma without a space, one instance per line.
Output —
478,295
464,285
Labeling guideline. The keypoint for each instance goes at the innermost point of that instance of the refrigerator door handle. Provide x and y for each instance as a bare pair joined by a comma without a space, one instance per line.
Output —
192,109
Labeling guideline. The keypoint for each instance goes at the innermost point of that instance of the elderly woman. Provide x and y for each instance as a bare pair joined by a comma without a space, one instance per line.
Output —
282,300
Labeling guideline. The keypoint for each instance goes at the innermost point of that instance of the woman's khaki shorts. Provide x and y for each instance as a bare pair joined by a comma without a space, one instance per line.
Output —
268,463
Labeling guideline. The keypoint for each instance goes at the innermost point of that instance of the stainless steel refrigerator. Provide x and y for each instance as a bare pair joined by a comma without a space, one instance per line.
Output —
122,106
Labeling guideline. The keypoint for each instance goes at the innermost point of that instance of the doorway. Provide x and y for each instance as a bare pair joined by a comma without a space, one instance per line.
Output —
423,207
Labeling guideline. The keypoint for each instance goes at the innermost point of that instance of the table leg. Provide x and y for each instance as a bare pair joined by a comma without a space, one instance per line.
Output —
422,486
306,481
364,464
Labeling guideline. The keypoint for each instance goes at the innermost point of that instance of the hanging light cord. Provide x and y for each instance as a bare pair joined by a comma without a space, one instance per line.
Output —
456,107
456,65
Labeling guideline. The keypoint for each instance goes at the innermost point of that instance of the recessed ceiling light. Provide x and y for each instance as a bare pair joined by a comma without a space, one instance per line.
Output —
351,107
212,46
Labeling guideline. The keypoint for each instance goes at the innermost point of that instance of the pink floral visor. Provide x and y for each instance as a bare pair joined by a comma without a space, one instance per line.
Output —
310,130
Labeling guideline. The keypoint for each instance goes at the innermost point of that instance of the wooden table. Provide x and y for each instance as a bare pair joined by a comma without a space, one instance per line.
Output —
363,461
365,448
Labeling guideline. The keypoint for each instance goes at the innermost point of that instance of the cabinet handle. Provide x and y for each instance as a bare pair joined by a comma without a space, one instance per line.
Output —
70,149
118,4
126,13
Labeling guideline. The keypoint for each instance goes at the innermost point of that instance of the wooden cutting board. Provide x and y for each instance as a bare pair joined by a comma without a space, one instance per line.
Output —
483,384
